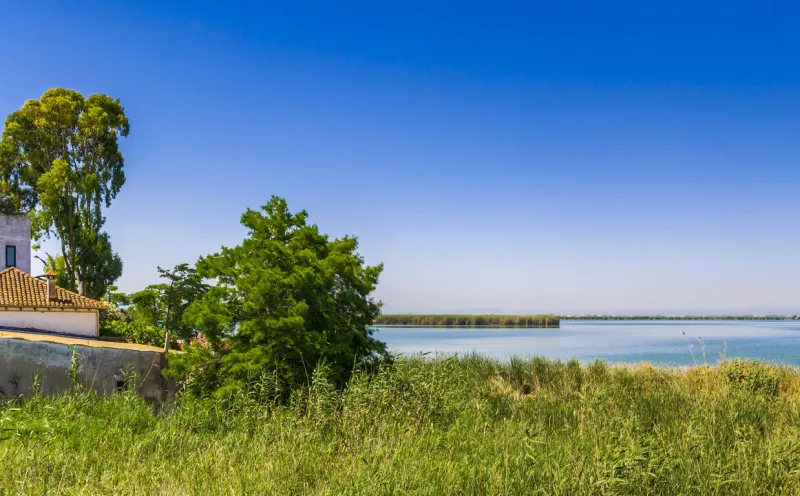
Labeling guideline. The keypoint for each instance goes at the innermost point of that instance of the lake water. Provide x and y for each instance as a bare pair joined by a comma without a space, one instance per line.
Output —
662,342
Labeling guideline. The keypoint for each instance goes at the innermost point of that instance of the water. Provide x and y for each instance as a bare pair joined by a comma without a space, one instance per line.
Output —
661,342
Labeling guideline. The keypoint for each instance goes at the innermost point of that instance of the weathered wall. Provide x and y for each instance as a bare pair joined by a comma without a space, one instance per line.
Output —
101,369
16,230
78,323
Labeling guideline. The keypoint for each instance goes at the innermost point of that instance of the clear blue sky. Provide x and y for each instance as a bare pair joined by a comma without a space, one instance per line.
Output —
499,157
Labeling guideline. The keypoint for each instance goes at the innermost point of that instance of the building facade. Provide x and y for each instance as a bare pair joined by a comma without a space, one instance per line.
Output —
37,304
33,304
44,329
15,242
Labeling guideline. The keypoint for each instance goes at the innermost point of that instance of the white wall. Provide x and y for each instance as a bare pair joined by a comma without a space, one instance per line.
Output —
80,323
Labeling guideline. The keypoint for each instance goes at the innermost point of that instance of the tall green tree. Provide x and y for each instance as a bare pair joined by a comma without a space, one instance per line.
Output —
17,195
164,304
56,264
286,299
60,162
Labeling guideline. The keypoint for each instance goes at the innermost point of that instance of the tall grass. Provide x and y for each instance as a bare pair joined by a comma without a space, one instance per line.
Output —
466,425
470,320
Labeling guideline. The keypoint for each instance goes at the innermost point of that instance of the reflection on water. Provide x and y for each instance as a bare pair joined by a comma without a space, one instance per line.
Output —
662,342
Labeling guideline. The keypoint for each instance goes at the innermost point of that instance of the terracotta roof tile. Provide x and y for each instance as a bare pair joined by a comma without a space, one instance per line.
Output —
19,289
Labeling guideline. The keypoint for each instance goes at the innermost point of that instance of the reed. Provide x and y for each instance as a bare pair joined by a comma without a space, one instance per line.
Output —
469,320
455,425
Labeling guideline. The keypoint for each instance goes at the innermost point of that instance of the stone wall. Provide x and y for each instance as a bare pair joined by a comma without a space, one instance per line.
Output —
104,369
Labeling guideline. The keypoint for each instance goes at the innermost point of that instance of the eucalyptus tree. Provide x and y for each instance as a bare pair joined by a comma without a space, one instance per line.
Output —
60,162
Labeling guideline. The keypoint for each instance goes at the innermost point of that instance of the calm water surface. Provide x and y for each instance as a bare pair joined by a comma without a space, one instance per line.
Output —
661,342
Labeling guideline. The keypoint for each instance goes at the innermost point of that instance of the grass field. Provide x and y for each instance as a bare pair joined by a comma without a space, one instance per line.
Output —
440,426
469,320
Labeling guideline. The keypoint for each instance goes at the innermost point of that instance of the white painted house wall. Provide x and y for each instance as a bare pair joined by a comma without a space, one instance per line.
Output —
79,323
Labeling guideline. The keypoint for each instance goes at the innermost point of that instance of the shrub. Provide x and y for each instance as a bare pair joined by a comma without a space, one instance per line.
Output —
135,332
286,299
109,314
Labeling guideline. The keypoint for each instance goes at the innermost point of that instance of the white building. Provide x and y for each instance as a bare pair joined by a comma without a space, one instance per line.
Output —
34,304
15,242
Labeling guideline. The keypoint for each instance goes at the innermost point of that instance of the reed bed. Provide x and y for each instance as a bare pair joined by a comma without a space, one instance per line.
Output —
470,320
467,425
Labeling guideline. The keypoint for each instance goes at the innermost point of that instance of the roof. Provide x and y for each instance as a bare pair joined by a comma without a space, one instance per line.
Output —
20,289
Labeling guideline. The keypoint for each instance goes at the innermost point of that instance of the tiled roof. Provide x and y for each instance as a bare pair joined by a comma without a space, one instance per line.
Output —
19,289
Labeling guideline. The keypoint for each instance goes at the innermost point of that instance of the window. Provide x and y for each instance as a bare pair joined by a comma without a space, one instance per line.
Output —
11,256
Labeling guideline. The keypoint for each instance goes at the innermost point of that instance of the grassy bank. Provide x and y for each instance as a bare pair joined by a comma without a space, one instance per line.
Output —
443,426
469,320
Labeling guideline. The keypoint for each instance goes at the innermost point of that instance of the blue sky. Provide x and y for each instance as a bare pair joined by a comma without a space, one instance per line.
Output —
497,157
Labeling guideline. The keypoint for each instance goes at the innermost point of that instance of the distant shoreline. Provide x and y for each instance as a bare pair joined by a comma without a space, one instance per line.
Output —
545,321
518,321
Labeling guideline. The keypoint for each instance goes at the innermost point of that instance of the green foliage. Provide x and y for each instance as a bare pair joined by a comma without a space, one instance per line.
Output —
286,298
201,367
113,310
134,331
59,266
752,375
422,426
110,313
73,372
60,163
106,268
17,195
116,298
99,265
164,305
469,320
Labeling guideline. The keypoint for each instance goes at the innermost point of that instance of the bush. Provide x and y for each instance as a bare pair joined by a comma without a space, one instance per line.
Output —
109,314
286,299
135,332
